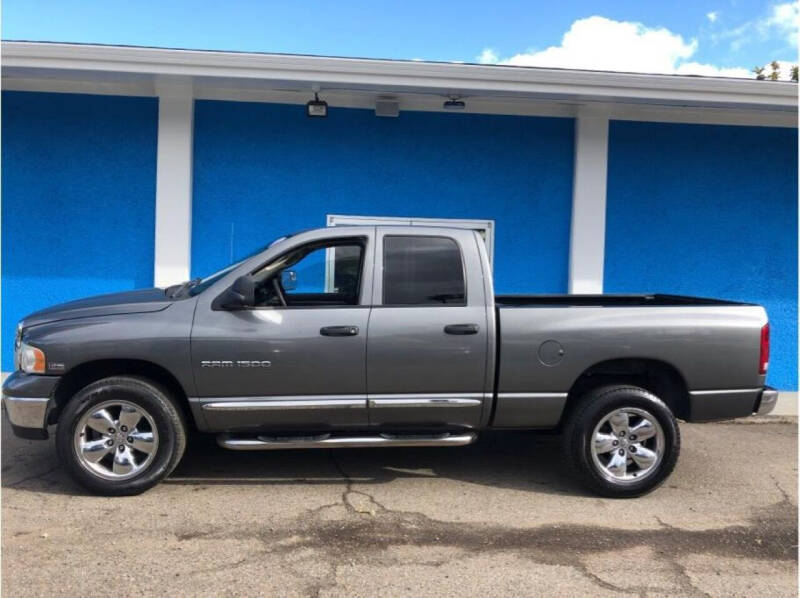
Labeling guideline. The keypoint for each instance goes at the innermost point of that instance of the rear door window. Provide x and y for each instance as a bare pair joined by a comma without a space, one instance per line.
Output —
420,270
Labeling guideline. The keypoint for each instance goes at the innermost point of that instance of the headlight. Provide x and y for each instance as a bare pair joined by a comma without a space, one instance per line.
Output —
31,360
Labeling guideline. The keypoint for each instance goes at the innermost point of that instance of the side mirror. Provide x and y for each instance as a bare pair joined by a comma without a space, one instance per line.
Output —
240,295
289,280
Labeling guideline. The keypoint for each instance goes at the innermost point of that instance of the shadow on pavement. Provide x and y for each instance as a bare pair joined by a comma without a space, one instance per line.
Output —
515,460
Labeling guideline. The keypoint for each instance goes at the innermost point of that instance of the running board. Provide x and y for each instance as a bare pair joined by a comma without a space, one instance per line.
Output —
267,443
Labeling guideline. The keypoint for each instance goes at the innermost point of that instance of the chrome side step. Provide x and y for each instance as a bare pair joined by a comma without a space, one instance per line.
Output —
267,443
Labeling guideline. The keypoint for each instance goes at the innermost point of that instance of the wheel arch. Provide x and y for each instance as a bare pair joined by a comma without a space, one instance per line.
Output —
84,374
657,376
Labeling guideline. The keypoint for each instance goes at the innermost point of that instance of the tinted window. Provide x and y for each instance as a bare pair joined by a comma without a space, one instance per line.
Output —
422,271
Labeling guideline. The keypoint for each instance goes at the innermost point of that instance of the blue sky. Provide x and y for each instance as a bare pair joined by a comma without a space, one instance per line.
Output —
719,37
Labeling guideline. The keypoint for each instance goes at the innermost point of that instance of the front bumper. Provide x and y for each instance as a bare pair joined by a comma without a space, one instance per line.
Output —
28,401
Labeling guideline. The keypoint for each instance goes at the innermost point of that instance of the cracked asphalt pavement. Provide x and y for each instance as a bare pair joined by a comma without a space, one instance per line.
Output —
497,518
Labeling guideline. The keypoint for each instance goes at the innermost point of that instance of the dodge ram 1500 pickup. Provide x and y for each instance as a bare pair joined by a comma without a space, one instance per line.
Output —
379,336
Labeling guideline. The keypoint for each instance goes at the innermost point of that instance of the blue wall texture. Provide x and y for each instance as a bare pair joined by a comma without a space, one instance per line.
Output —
711,211
261,170
693,209
78,194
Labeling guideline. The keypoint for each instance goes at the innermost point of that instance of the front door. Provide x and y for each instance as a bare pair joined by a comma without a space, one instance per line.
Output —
427,346
297,358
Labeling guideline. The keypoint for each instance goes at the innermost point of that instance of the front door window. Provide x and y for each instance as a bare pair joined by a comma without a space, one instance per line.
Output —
315,275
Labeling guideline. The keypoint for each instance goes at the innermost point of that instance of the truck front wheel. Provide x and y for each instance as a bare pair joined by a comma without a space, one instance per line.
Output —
121,435
622,440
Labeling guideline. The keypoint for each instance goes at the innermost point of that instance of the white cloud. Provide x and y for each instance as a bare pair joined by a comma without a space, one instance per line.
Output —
598,43
712,16
785,18
709,70
488,56
782,20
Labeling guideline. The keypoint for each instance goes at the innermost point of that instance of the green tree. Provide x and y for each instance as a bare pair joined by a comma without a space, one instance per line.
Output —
776,70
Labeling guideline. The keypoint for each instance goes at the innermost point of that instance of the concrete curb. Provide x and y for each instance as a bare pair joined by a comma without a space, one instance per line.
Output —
787,404
759,419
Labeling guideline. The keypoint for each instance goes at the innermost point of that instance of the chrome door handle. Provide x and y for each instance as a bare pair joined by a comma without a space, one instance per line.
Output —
339,330
461,329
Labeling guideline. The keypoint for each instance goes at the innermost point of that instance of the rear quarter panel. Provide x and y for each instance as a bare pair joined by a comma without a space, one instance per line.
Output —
713,348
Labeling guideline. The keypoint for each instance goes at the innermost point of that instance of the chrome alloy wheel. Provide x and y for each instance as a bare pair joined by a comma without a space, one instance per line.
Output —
116,440
627,445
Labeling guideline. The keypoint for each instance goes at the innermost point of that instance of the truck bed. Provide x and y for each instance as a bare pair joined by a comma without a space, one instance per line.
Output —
645,300
710,345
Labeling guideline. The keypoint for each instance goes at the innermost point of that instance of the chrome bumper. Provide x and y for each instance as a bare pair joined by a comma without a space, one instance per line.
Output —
769,398
28,403
27,412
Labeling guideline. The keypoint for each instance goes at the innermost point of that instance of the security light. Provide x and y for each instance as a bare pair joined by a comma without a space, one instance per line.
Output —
317,108
454,104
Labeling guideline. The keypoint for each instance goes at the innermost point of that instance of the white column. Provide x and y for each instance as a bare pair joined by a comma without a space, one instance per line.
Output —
588,230
173,242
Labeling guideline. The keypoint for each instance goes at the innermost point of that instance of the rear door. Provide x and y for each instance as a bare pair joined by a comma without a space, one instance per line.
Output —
428,334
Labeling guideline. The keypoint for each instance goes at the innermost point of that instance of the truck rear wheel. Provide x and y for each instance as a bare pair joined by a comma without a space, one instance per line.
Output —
622,440
121,435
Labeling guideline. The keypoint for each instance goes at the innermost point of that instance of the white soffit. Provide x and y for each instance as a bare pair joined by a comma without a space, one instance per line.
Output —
355,82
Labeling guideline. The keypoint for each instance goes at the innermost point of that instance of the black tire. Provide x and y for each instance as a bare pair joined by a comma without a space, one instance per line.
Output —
590,411
156,401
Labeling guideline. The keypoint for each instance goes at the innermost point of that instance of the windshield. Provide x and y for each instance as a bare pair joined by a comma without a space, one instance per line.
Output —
200,285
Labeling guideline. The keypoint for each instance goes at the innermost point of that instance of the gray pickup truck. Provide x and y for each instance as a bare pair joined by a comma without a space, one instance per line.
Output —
379,336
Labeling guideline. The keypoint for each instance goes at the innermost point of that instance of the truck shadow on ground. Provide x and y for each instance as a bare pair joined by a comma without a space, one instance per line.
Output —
512,460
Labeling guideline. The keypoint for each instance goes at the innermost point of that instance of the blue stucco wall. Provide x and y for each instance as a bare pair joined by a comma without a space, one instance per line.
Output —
261,170
78,195
710,211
